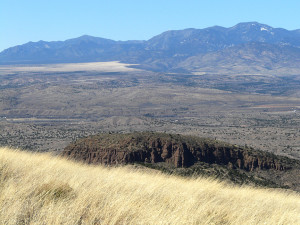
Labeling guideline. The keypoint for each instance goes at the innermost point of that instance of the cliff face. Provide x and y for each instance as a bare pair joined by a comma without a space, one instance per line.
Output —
177,150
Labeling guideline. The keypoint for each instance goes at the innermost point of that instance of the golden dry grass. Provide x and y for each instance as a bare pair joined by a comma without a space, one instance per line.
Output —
42,189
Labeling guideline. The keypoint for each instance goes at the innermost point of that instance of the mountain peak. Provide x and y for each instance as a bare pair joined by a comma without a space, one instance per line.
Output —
86,37
89,38
251,26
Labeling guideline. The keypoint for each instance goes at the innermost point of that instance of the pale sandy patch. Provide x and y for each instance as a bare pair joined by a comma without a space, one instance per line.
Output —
113,66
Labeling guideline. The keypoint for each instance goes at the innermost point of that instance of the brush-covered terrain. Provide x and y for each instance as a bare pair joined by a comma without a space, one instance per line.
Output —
41,189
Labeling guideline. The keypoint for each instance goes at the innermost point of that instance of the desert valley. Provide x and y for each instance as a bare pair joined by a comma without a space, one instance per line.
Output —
214,112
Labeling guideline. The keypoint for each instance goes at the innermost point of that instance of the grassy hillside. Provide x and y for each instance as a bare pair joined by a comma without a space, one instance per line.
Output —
41,189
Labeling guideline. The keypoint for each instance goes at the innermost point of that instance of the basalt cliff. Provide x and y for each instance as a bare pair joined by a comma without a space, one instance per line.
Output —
175,150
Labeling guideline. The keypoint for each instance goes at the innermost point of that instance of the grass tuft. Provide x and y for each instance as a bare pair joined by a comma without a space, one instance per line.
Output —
54,191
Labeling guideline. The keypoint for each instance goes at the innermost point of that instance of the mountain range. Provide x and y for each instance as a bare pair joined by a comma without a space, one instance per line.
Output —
248,47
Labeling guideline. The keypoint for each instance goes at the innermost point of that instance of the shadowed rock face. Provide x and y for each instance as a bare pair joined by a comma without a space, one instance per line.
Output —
177,150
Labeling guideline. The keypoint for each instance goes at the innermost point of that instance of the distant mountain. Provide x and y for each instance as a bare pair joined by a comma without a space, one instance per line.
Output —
192,41
188,49
82,49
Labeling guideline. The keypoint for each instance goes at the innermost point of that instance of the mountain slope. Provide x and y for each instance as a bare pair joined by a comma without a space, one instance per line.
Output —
254,57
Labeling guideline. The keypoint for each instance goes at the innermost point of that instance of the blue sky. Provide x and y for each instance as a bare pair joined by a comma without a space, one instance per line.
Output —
22,21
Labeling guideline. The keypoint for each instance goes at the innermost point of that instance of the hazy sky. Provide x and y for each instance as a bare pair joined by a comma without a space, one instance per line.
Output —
22,21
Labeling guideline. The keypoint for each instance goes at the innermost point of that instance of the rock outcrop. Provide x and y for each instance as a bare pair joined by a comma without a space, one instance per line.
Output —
177,150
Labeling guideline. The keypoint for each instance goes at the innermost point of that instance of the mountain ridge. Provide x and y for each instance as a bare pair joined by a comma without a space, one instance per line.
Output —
163,52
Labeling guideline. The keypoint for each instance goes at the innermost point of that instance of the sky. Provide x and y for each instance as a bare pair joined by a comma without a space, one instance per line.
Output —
22,21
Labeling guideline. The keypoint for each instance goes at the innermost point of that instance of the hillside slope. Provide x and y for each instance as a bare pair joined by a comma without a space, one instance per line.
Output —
40,189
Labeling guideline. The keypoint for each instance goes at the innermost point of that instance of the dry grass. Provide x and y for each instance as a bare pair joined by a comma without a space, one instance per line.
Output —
41,189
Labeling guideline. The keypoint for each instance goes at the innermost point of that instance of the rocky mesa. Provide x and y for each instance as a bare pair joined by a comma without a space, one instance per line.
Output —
176,150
